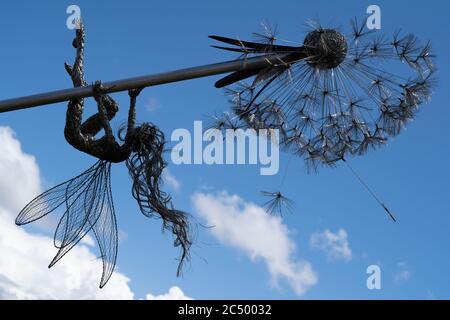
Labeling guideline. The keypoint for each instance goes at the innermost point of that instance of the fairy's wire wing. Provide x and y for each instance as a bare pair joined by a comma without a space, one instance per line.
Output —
93,211
53,198
105,230
88,206
78,210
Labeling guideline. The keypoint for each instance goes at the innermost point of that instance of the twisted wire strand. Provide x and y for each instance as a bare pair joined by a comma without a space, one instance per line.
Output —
145,167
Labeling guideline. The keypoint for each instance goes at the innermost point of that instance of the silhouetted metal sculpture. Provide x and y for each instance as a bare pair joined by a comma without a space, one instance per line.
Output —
87,198
329,98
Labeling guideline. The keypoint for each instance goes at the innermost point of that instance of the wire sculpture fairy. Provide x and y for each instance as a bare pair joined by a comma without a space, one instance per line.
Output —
87,199
334,95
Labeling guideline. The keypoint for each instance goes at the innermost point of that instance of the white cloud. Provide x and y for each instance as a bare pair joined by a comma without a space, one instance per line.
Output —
152,104
122,236
175,293
24,256
249,228
24,274
20,178
403,273
430,295
335,245
88,241
170,180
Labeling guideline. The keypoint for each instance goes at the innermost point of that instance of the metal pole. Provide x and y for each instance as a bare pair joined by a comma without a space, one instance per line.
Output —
137,82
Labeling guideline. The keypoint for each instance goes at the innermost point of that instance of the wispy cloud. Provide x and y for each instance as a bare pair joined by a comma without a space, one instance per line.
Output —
152,104
335,245
430,296
175,293
249,228
403,273
171,180
19,171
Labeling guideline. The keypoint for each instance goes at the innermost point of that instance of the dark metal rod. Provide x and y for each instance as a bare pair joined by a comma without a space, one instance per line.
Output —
137,82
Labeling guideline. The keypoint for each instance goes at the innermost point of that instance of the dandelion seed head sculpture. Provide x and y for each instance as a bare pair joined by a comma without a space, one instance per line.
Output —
335,95
326,48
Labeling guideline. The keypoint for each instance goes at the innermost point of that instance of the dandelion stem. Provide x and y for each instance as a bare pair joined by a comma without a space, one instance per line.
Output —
139,82
386,209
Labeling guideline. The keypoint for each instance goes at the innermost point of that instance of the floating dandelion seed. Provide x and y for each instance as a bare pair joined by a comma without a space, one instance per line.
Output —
278,203
223,121
335,95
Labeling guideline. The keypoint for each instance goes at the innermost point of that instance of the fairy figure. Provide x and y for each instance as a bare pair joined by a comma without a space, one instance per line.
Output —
87,198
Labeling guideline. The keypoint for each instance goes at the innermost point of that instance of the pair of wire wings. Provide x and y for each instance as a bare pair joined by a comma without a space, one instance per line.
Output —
88,206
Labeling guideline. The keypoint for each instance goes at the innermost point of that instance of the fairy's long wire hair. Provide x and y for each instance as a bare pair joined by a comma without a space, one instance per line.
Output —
145,166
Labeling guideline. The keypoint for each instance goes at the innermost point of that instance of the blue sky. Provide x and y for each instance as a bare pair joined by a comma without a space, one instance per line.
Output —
137,37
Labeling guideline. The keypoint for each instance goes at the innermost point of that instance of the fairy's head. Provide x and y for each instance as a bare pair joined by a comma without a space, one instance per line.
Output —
146,138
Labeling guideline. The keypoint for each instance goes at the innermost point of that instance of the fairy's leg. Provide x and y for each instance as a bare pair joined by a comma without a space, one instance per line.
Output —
75,107
94,124
99,94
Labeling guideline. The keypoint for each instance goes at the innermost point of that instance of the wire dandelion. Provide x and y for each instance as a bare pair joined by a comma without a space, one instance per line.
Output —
335,95
86,200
